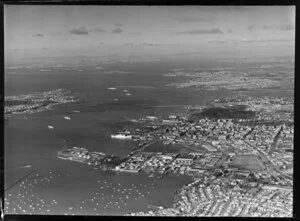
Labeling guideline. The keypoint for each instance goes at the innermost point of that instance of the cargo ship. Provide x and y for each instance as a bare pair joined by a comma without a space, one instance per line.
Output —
121,136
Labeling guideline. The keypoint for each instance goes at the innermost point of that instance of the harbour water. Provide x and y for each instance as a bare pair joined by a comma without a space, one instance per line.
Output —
65,187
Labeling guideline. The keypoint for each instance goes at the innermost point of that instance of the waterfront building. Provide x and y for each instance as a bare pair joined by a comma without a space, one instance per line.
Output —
184,159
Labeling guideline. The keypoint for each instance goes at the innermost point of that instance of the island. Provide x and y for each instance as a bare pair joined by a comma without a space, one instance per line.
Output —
37,102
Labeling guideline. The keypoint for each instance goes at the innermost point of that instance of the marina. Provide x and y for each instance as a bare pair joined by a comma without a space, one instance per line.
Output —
107,196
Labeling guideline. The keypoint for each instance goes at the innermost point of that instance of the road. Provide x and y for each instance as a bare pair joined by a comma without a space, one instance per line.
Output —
274,144
269,162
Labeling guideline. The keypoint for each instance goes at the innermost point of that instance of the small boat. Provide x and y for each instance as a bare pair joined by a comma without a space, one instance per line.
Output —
76,111
111,88
116,99
50,127
67,118
128,94
125,90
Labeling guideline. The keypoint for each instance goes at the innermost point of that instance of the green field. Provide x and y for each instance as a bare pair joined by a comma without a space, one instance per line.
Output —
247,162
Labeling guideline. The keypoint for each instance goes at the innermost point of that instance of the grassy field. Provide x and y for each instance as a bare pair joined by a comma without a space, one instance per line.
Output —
247,162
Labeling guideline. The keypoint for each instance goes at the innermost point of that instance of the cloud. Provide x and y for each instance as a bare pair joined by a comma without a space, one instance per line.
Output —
248,41
38,35
23,49
150,44
250,27
56,33
279,27
100,45
79,31
202,31
117,31
118,25
136,33
192,20
99,30
218,42
274,40
245,40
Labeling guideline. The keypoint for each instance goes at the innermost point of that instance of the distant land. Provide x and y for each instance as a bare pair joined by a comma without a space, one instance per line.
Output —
37,102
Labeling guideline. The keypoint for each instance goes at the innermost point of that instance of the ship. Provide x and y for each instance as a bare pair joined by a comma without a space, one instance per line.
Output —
50,127
111,88
128,94
121,136
67,118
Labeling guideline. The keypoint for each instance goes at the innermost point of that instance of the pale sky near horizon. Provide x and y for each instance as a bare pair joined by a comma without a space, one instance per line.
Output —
32,30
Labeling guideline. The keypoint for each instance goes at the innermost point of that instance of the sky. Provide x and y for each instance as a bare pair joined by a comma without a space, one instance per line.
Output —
153,31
